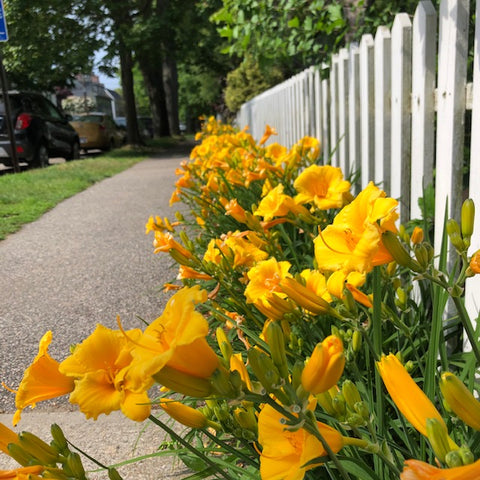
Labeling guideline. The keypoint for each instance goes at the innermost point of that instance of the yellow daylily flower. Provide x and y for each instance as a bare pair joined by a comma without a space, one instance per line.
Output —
323,186
264,281
418,470
277,204
408,397
285,454
99,366
269,131
175,339
42,380
353,242
475,262
325,367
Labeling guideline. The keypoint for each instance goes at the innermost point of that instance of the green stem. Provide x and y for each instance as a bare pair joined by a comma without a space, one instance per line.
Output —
467,325
195,451
377,345
311,427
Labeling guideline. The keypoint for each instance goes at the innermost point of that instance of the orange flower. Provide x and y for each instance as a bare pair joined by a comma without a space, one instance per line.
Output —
475,262
287,454
277,204
325,367
406,394
417,470
269,131
353,242
322,185
22,473
42,380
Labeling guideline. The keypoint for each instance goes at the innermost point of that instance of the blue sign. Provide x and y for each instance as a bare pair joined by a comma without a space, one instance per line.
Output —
3,24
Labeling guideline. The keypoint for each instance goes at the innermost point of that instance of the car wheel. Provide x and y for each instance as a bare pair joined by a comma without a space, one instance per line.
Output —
74,152
40,159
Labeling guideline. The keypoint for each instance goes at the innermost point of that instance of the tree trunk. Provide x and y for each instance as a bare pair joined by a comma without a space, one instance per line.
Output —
152,77
126,66
170,85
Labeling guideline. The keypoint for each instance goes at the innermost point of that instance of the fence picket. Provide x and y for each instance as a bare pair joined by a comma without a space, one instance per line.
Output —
473,284
452,68
343,134
334,110
354,113
367,109
401,118
383,78
423,108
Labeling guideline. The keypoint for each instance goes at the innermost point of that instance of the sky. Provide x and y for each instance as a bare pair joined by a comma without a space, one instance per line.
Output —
109,82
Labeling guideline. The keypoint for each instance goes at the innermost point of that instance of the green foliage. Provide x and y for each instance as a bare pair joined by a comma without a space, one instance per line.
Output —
286,33
247,81
48,44
199,92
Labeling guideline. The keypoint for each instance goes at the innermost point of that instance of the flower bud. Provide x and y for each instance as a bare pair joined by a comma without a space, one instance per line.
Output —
355,420
264,369
467,223
184,414
398,252
224,344
246,418
438,437
421,254
73,466
222,385
417,236
362,409
351,394
357,339
276,342
20,455
183,382
59,439
460,400
326,402
339,405
453,231
466,455
453,459
325,367
36,447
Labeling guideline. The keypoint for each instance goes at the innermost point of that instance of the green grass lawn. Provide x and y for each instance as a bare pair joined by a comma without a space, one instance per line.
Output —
26,196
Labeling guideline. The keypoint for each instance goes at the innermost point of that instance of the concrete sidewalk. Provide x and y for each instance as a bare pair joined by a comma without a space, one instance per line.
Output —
85,262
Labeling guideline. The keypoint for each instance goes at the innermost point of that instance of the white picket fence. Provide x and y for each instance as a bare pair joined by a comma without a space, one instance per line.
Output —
385,110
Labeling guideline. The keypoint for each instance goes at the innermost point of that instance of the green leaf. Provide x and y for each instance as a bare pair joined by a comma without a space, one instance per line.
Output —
294,22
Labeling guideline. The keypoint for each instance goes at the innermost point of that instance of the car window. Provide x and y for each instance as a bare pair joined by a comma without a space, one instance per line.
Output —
15,103
51,109
90,118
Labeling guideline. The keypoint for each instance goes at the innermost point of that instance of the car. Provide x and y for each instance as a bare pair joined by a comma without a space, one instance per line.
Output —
97,130
41,130
145,126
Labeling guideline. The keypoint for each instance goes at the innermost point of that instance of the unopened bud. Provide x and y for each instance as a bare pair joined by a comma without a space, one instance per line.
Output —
276,342
20,455
339,404
37,448
264,369
357,339
399,253
355,420
59,439
362,409
417,236
438,437
326,402
73,466
224,344
466,455
453,231
468,217
222,385
421,254
350,394
453,459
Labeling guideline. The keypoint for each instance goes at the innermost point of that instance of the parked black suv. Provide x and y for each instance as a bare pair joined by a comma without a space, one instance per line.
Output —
41,131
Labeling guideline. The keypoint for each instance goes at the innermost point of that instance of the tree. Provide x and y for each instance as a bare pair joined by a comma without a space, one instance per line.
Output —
48,44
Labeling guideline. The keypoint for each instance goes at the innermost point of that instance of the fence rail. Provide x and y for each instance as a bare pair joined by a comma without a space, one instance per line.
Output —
385,110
